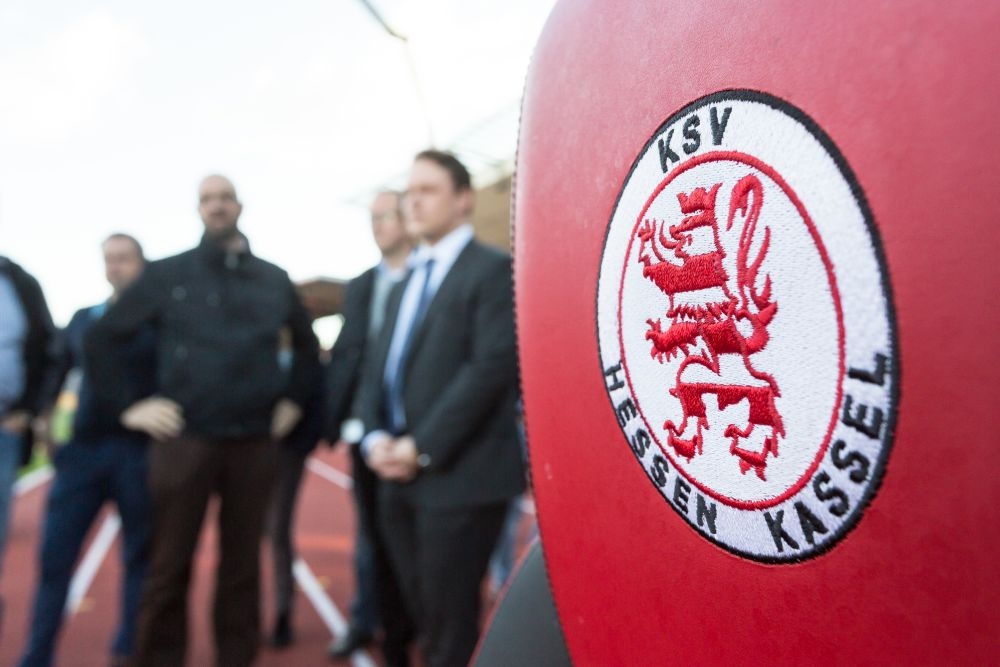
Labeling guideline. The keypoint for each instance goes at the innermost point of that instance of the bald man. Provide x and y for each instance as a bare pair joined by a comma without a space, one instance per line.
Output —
221,404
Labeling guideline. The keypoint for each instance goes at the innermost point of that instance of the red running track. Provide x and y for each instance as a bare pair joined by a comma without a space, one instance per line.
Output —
324,538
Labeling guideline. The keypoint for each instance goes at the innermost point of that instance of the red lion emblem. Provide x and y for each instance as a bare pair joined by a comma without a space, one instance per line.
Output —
711,316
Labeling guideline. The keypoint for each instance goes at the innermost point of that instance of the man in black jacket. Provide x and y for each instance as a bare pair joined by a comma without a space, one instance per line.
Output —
25,332
377,597
216,311
439,409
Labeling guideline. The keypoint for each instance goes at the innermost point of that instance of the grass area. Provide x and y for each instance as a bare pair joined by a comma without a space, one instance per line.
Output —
60,431
39,459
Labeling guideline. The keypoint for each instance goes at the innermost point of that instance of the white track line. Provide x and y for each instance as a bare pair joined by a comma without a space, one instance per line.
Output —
91,563
32,480
326,609
330,474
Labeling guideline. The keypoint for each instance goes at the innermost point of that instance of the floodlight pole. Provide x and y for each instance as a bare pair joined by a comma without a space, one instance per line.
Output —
410,64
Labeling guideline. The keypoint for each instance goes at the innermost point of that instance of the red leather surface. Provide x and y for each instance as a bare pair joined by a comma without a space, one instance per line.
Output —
909,93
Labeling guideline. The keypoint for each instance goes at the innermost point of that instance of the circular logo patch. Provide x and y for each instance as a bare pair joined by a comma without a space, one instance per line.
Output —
746,329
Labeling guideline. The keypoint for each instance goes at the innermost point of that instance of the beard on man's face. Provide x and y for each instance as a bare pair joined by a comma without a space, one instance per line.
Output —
220,225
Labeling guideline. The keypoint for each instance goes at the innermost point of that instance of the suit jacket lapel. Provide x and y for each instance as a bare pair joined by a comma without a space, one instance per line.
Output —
367,286
451,283
388,328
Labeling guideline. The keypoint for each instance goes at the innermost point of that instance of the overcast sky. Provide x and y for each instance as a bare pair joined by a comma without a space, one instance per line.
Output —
111,112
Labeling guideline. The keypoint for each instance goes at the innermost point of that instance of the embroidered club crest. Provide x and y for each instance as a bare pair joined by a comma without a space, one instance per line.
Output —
745,327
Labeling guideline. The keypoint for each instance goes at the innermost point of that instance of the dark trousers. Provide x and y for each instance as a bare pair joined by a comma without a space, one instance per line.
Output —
87,475
10,461
364,608
389,605
441,555
183,474
281,518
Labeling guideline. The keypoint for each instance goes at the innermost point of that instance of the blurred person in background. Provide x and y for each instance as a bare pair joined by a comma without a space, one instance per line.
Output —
25,334
377,598
293,450
439,411
102,461
222,404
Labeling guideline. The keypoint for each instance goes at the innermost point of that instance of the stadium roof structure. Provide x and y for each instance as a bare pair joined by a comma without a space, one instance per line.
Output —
487,149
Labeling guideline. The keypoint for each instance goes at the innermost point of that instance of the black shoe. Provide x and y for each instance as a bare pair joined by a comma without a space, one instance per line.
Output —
344,646
282,636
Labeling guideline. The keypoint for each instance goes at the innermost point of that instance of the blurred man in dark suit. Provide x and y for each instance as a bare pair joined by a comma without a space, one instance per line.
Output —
377,598
439,405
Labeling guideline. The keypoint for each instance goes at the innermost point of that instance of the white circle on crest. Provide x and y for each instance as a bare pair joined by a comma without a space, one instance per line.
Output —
745,413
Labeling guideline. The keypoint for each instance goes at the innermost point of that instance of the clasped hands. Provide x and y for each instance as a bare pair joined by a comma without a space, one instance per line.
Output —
394,459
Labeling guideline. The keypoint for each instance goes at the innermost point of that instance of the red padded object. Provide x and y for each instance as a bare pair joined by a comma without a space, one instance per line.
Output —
908,95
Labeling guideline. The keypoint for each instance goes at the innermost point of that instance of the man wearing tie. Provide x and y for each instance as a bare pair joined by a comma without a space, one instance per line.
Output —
439,409
377,597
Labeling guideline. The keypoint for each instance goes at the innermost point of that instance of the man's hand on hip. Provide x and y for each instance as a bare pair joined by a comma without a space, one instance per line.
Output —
160,417
284,418
16,422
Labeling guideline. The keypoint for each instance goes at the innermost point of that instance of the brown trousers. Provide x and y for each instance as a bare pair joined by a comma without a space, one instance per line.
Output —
183,475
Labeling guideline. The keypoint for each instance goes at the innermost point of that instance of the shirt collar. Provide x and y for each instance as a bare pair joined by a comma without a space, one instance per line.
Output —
385,271
214,252
445,251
